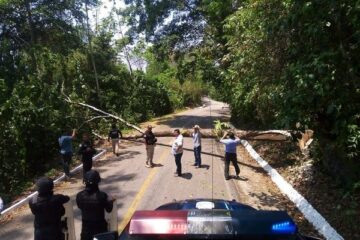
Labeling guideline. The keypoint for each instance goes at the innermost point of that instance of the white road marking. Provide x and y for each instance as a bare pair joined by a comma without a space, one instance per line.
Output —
313,216
25,200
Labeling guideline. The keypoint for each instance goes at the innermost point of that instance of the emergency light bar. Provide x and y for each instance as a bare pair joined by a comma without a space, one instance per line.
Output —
220,223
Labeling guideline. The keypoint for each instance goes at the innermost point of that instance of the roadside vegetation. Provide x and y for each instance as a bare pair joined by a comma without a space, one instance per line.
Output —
277,63
48,50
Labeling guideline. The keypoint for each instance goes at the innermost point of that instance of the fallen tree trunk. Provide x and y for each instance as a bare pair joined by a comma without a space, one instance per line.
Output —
275,135
303,139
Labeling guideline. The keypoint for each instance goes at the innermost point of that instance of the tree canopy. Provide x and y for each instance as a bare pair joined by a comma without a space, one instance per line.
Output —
278,63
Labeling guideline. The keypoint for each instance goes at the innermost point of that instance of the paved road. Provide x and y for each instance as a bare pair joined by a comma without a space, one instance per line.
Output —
137,187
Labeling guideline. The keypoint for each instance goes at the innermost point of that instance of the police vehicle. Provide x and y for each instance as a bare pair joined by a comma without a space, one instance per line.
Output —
208,219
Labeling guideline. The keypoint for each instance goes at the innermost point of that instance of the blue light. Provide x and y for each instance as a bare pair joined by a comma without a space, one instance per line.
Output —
284,227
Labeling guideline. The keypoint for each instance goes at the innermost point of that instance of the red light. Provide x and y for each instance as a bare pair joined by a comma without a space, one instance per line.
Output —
158,222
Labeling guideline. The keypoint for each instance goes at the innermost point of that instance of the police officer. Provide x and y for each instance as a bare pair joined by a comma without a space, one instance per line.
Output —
92,203
87,152
48,209
115,135
150,141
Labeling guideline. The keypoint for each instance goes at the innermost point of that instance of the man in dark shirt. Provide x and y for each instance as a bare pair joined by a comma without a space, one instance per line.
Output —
114,135
150,142
92,203
48,209
87,152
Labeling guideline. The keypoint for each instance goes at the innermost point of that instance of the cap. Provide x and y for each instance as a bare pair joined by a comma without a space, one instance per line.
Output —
197,127
149,126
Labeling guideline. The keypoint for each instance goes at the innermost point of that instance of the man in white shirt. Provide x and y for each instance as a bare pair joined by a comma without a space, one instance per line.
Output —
177,150
196,135
230,153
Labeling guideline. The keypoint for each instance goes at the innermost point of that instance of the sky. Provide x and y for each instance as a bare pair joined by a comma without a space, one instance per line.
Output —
107,5
104,9
101,12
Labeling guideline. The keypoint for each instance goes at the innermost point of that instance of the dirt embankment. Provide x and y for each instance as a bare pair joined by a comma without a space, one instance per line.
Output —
337,205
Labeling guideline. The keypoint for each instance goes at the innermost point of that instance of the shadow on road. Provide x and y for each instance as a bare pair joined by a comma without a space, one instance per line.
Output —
15,233
125,155
207,167
157,165
187,176
120,177
240,178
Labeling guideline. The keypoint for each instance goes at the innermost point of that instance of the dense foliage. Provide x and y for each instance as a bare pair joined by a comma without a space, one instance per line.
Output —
297,62
276,62
48,50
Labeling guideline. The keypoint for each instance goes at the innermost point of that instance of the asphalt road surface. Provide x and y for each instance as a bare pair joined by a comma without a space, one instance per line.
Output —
137,187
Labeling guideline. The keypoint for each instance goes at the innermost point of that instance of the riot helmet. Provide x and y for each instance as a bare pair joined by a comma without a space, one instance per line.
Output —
92,177
45,186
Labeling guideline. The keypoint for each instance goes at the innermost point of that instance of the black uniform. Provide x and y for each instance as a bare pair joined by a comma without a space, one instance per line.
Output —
48,209
115,133
149,137
87,152
92,203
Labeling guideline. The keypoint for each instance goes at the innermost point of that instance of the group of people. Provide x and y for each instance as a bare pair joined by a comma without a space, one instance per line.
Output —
229,140
48,207
176,148
86,148
87,151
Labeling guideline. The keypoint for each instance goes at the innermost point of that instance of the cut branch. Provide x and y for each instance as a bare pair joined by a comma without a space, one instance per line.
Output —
104,113
270,135
98,135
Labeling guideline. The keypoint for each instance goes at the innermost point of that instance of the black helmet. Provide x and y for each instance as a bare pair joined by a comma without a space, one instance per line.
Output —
92,177
45,186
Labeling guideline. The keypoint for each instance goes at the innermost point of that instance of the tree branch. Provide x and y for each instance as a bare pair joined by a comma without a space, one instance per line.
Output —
92,119
67,99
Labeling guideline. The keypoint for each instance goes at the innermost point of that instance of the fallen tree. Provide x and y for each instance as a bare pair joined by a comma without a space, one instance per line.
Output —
105,114
302,138
275,135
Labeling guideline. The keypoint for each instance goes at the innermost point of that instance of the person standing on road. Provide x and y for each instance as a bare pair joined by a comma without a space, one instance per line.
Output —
196,136
48,209
65,142
230,153
87,152
177,150
115,135
150,142
92,202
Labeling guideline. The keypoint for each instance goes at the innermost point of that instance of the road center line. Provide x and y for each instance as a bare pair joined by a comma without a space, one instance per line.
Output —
135,203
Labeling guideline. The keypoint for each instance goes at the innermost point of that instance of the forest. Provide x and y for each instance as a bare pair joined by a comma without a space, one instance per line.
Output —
284,64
